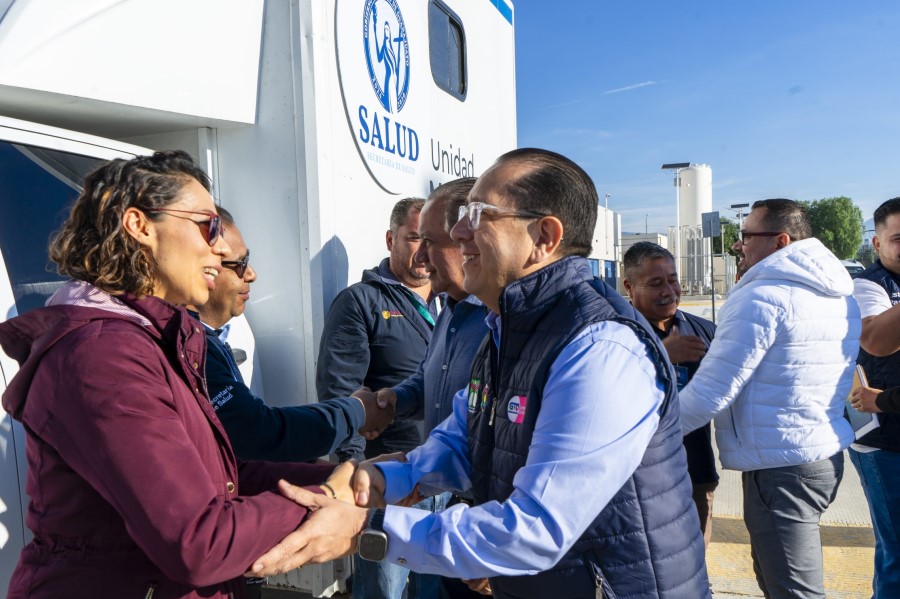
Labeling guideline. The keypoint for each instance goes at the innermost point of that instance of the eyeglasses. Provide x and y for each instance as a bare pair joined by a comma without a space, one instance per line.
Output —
238,266
474,210
745,235
211,227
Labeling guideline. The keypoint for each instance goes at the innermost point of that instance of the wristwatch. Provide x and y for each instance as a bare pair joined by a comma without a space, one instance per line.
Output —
373,541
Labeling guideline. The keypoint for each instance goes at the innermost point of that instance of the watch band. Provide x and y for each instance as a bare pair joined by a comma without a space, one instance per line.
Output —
376,522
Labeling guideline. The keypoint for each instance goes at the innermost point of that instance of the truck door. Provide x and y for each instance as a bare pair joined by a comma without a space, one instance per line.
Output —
41,173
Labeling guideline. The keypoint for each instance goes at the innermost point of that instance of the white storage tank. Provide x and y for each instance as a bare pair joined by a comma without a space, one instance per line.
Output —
695,194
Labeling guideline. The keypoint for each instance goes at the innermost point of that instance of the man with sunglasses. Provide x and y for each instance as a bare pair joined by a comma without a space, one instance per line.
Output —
257,431
566,434
775,378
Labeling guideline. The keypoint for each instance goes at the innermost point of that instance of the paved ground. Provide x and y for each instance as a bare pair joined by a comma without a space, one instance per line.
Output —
846,538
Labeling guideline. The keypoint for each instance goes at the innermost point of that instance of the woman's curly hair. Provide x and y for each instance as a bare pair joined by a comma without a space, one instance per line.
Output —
93,246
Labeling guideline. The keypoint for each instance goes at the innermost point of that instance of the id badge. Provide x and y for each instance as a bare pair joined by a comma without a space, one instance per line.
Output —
681,376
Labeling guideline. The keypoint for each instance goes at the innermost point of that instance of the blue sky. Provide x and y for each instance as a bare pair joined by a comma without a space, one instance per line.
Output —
796,99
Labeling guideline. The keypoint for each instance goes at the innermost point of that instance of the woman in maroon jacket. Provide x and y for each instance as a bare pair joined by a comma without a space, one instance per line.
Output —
134,489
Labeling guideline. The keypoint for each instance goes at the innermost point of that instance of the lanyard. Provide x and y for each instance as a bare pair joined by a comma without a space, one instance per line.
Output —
422,310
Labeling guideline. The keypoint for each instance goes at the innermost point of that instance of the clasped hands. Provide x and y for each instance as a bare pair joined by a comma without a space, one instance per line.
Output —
381,409
332,528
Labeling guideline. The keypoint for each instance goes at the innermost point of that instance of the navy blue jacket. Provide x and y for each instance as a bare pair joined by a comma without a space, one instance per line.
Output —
646,542
277,434
882,373
698,443
373,337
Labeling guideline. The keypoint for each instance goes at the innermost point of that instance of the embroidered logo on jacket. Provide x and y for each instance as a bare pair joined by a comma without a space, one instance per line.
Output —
515,409
387,314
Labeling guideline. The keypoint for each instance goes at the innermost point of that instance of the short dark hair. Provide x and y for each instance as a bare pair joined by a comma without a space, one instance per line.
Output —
786,216
401,211
454,194
642,251
892,206
556,186
225,216
92,244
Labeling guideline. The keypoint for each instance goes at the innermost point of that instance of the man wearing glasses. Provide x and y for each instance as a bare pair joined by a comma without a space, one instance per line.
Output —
567,434
258,431
775,378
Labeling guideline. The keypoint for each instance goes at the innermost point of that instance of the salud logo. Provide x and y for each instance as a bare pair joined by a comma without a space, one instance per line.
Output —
387,53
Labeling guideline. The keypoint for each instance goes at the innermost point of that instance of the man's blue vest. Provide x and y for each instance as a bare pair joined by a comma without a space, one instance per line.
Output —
882,373
646,542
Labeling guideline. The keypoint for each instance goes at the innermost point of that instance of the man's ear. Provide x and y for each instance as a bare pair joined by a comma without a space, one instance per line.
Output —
137,225
627,284
549,234
783,241
389,240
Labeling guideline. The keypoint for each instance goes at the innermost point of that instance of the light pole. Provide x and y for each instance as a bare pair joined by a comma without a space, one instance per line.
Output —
606,226
677,167
740,211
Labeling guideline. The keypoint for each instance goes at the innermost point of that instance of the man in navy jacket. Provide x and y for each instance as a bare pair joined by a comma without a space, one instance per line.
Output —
651,281
258,431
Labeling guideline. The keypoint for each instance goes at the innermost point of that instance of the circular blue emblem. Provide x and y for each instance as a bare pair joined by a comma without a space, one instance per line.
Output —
387,52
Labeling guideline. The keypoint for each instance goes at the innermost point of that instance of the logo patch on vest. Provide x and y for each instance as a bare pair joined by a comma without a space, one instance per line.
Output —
387,314
515,409
474,387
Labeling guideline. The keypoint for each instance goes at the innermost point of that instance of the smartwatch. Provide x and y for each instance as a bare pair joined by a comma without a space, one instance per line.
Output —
373,541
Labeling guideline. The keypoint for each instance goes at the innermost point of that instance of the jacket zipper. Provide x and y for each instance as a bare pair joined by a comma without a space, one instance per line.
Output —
150,591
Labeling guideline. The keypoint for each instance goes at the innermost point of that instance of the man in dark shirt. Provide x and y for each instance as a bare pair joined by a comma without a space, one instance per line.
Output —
258,431
651,281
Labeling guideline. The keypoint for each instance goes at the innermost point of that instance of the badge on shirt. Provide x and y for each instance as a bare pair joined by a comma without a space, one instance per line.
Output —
474,387
681,376
387,314
515,409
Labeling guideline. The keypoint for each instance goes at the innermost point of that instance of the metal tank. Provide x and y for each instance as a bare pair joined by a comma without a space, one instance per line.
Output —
695,198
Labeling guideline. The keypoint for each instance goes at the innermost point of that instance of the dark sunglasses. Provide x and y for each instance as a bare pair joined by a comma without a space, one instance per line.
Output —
238,266
211,227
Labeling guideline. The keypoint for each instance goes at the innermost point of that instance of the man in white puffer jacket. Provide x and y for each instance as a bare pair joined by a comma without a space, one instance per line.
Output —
775,379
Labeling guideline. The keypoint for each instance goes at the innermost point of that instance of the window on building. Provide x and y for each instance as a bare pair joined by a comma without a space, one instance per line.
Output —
37,186
447,43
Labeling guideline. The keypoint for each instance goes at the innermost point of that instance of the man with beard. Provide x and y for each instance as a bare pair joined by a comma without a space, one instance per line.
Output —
651,281
876,455
775,378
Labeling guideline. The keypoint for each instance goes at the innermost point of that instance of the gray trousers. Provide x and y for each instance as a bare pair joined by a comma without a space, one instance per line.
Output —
782,507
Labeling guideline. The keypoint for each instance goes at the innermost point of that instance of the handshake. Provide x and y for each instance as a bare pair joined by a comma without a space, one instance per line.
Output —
332,528
380,407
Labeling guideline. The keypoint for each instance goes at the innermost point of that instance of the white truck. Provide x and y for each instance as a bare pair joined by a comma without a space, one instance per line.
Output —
312,118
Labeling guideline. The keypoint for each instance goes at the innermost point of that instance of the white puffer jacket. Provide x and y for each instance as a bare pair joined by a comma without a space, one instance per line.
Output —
781,364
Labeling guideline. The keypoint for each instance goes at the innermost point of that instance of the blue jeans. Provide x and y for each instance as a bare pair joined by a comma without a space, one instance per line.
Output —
879,472
782,507
384,580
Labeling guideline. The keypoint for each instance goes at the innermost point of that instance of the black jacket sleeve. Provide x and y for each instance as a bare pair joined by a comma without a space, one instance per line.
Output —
344,357
279,434
889,400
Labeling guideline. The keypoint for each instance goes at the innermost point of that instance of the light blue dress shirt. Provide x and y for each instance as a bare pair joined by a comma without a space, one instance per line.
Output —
458,332
598,413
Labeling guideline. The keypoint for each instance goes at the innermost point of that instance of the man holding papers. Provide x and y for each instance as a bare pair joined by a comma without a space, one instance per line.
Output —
877,454
776,379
